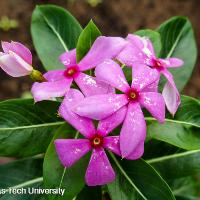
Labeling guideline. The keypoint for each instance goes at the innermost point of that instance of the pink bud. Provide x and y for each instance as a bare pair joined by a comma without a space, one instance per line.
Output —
16,60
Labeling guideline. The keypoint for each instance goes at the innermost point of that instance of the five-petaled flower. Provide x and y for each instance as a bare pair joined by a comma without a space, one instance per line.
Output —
140,94
16,60
140,50
59,81
99,170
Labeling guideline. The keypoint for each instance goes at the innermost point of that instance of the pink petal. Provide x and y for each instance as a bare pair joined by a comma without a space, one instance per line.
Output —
111,73
92,86
71,150
154,103
103,48
49,90
112,143
6,46
82,124
130,55
99,171
137,153
14,65
133,131
152,87
171,94
100,106
108,124
143,43
143,76
19,49
54,75
68,58
172,62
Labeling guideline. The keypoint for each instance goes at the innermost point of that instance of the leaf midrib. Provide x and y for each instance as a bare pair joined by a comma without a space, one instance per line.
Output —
55,31
62,122
176,42
32,126
127,177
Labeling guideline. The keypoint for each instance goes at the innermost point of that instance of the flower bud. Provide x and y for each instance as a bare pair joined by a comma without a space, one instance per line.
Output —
16,60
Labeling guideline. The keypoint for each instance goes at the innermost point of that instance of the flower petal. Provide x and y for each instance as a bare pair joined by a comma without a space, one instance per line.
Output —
152,87
154,103
143,76
133,131
49,90
91,86
99,171
19,49
170,93
82,124
54,75
108,124
68,58
100,106
14,65
137,153
103,48
71,150
112,143
172,62
130,55
143,43
111,73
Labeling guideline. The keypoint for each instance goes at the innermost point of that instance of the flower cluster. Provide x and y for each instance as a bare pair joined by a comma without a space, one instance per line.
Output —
107,97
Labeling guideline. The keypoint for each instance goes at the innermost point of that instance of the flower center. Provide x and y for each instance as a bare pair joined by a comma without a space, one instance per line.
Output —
132,95
157,64
71,71
96,141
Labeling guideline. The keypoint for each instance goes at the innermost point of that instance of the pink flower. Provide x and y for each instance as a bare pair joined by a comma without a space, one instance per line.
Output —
99,171
16,60
140,50
59,81
140,93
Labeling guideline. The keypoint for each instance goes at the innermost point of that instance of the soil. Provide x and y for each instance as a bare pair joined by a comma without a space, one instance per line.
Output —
115,17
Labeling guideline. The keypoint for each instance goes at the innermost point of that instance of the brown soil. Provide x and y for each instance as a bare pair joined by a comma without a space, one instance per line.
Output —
115,17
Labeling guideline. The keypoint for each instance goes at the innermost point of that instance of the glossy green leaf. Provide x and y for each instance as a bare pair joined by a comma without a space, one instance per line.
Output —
177,165
137,180
54,31
154,36
178,40
56,176
182,130
21,174
26,128
86,39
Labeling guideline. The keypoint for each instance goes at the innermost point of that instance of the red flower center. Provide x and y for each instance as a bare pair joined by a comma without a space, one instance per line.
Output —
71,71
96,141
157,64
132,95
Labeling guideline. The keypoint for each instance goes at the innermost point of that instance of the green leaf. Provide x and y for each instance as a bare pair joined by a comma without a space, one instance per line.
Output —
54,31
90,193
186,197
177,165
137,180
26,128
86,39
71,179
21,174
178,40
154,36
183,130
